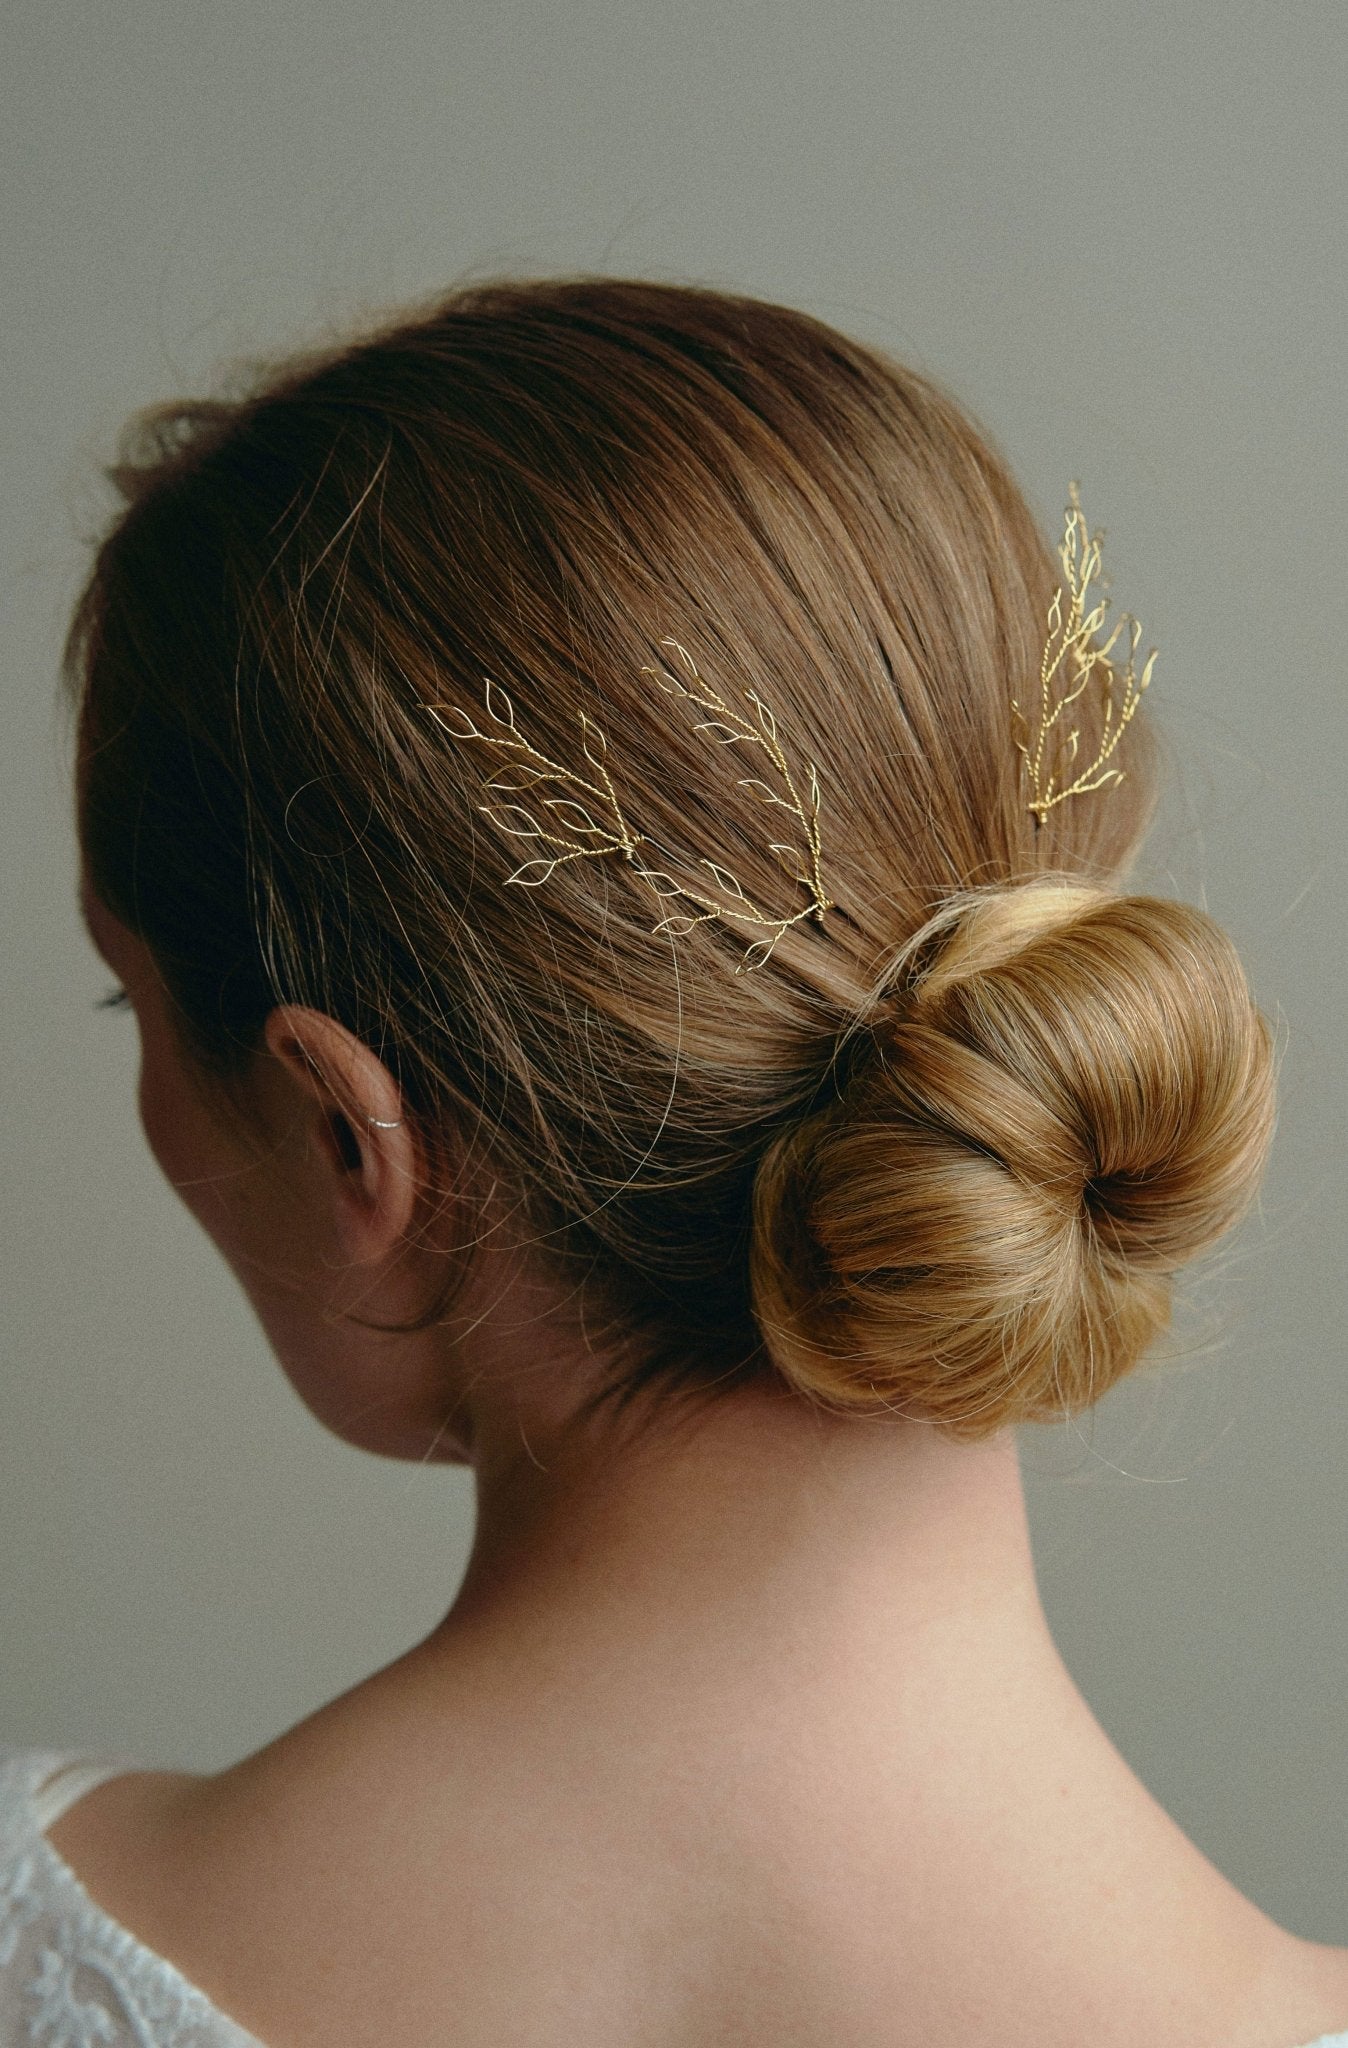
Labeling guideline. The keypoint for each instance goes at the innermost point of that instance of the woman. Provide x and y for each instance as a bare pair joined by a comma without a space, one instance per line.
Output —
612,822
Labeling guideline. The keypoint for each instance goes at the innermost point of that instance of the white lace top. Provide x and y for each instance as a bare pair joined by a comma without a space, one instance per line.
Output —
70,1977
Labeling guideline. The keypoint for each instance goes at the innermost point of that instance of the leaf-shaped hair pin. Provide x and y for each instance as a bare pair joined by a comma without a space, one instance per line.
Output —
1073,661
573,814
570,830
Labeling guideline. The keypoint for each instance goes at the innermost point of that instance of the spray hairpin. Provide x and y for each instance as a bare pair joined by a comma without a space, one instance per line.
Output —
1074,663
573,813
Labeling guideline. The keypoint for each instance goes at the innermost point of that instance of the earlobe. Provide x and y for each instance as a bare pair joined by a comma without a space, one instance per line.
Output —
364,1141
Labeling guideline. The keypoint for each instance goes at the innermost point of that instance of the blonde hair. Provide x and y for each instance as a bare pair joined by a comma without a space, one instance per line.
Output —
943,1148
1069,1101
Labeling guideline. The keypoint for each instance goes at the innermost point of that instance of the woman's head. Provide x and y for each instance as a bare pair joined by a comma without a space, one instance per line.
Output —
623,504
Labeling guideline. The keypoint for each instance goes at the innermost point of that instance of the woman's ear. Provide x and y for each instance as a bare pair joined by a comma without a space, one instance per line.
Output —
362,1140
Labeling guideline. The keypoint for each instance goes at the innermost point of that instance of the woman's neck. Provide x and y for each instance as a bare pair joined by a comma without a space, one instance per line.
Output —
758,1528
820,1641
757,1716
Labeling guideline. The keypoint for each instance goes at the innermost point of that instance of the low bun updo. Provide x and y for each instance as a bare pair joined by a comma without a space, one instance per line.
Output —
1067,1095
505,514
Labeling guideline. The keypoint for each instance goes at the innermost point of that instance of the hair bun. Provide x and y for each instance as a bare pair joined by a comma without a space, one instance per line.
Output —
1072,1096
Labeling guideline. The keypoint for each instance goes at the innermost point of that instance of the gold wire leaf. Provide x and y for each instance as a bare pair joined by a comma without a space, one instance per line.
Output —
659,883
496,697
1074,663
573,815
589,821
758,953
467,731
531,777
723,878
591,735
533,873
788,859
501,814
765,717
762,792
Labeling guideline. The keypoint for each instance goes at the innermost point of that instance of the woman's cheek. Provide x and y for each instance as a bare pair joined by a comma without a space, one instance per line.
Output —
161,1125
185,1145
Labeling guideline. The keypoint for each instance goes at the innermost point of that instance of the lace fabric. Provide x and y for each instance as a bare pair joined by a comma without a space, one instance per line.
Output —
71,1977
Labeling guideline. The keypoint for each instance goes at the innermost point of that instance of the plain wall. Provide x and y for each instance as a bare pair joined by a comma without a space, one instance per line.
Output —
1116,232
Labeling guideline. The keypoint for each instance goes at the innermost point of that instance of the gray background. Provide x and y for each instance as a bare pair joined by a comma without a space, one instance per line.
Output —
1117,232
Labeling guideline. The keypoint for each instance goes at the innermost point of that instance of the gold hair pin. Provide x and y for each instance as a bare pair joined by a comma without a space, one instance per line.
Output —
576,815
1073,660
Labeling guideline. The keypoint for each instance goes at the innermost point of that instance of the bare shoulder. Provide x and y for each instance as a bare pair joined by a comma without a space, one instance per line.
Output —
318,1891
1323,1968
110,1833
329,1887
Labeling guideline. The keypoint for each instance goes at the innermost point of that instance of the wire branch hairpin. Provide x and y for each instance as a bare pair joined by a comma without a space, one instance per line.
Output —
1073,661
575,813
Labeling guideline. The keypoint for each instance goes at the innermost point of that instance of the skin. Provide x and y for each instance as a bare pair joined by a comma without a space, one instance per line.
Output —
744,1729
